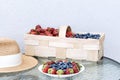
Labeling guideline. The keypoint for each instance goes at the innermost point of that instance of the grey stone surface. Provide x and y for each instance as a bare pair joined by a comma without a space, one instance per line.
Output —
106,69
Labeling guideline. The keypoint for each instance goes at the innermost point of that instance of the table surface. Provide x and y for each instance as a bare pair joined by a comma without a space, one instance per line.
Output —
105,69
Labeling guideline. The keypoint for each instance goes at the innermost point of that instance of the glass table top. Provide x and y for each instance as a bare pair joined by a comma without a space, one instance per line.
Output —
105,69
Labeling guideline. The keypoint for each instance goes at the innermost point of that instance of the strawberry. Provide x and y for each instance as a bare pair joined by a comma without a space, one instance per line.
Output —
69,34
45,68
47,33
69,71
50,62
55,33
38,29
76,69
37,26
52,71
52,29
73,63
48,28
42,33
33,32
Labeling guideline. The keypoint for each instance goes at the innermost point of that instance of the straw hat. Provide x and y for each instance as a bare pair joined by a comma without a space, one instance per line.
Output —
11,60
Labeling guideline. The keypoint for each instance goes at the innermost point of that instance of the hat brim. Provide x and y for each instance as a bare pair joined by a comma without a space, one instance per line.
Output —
27,63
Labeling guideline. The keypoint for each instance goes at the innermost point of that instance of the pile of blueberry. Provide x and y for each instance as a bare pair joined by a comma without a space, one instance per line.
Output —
61,65
87,36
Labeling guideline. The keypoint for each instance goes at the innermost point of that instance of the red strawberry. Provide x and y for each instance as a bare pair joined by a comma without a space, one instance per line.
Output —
52,29
73,63
69,71
42,30
38,29
42,33
37,26
76,69
48,28
33,32
50,62
52,71
45,68
55,33
47,33
69,34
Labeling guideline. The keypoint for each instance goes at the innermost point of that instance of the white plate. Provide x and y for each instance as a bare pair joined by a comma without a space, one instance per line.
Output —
61,76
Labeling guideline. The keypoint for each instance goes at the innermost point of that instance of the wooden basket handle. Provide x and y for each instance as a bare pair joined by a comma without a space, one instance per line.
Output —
63,30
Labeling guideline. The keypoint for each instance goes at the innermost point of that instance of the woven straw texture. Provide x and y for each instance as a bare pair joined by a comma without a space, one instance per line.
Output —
8,47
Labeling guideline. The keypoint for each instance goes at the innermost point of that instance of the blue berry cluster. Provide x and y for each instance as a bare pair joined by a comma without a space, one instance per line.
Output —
61,65
87,36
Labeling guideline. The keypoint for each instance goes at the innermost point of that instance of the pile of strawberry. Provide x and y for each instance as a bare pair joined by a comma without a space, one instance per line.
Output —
42,31
61,67
49,31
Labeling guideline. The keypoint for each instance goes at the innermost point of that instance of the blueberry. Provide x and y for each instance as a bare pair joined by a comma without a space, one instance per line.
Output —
77,35
80,36
57,68
96,36
60,63
67,66
68,62
91,36
88,35
53,65
64,66
84,36
70,65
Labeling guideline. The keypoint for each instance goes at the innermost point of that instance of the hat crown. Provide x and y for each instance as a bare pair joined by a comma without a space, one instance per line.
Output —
8,47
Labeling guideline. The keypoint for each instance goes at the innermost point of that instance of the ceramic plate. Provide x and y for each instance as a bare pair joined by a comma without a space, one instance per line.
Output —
62,76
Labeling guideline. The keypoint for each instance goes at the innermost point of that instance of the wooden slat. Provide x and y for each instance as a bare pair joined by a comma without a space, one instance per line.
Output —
31,42
92,55
60,44
76,54
61,53
91,47
44,43
30,50
44,51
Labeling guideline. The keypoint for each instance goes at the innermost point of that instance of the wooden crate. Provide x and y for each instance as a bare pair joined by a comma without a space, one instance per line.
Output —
62,47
